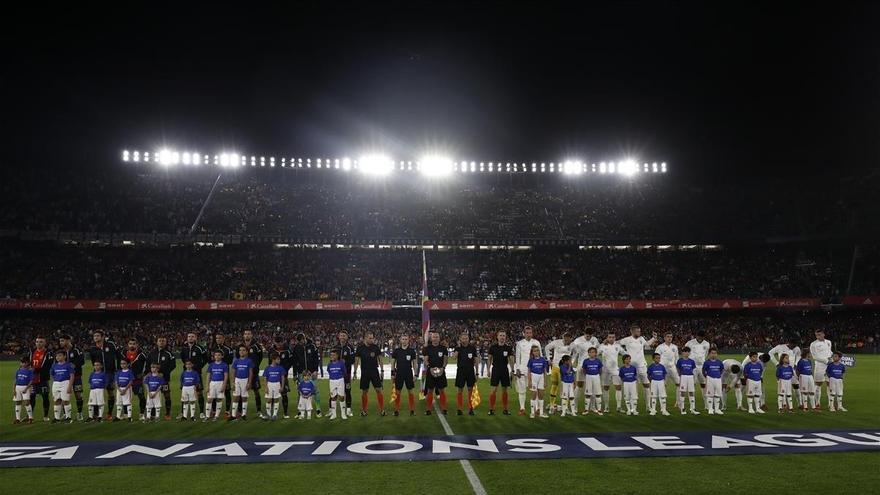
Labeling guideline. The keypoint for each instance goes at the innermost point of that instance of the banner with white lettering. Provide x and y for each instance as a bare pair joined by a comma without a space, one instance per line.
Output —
420,448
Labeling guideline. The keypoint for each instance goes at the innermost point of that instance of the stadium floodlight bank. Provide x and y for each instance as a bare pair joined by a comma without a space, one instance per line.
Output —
380,164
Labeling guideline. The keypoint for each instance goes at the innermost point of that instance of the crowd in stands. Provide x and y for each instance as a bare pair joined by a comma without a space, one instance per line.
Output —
849,331
50,271
134,198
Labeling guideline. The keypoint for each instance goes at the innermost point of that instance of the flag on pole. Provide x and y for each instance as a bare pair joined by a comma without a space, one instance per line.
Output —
475,398
426,318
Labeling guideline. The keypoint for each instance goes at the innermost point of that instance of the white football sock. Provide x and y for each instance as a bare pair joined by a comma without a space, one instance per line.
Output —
17,412
30,411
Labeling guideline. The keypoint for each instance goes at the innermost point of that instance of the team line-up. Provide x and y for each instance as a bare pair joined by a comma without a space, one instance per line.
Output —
580,367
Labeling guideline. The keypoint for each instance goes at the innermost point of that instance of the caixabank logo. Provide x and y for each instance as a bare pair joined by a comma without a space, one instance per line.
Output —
418,448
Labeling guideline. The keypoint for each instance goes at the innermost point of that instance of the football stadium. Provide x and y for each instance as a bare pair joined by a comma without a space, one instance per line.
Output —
465,248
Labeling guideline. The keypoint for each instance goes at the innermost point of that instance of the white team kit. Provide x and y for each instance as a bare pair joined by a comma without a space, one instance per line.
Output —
699,352
635,347
522,354
188,393
582,346
668,358
820,350
609,354
794,354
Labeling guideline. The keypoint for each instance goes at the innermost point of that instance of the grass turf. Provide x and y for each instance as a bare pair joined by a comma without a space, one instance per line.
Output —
862,397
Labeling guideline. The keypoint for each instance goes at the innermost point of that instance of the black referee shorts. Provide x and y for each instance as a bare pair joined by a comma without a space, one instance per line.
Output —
370,377
435,382
404,380
499,377
465,377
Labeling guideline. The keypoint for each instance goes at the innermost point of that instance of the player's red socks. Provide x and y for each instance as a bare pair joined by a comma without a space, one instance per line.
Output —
458,400
504,399
443,399
492,401
365,400
429,400
412,402
380,398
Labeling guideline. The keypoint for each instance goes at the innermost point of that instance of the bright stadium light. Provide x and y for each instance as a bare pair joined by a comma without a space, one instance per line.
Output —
346,164
375,164
627,167
437,166
572,167
165,157
125,155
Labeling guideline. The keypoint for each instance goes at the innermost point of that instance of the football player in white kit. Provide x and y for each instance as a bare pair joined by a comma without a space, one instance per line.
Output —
821,351
732,378
581,345
521,363
609,351
699,347
668,357
554,352
794,355
635,345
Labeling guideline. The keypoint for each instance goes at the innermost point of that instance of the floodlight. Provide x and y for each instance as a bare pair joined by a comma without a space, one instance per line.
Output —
165,157
437,166
125,155
346,164
627,167
572,167
376,164
136,156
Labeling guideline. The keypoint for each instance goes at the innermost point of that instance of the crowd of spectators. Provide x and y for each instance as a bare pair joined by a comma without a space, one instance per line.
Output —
34,270
849,331
338,205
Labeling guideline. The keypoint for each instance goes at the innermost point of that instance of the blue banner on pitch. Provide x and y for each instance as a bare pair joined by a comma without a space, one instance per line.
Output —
423,448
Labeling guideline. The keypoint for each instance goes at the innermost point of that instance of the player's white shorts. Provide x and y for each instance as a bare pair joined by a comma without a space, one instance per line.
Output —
60,392
713,387
273,390
610,377
672,374
819,372
783,387
835,386
537,381
123,398
305,403
686,384
754,388
215,390
658,388
96,397
699,377
630,391
642,374
522,381
154,401
240,389
593,385
567,390
807,384
188,393
21,393
337,387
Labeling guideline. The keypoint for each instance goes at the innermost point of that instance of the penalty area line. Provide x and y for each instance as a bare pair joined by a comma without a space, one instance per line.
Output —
477,486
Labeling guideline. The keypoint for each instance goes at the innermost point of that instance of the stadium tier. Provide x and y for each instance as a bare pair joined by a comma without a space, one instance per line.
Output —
48,270
329,206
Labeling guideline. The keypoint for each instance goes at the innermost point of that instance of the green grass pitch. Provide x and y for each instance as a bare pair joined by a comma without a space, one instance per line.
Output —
819,472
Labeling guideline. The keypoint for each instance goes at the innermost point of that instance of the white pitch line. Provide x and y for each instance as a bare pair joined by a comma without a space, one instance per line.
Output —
465,464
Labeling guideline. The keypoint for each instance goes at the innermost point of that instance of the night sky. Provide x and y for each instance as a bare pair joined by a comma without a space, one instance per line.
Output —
716,90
